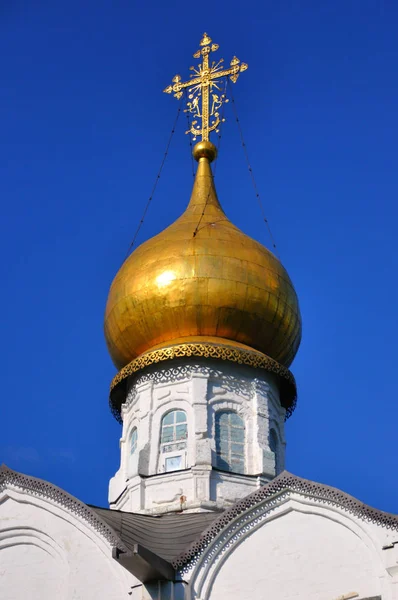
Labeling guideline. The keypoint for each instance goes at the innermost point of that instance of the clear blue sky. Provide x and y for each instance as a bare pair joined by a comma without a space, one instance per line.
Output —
84,124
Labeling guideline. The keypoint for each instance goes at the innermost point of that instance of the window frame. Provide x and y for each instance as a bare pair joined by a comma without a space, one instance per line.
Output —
176,447
224,460
177,454
133,433
173,426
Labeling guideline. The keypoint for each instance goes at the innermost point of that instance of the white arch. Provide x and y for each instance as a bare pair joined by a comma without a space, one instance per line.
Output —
206,567
58,530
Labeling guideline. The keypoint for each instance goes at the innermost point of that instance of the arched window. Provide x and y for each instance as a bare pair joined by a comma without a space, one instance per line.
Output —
230,441
132,456
133,441
173,440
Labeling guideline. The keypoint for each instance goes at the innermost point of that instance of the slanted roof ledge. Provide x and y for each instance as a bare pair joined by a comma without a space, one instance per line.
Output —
144,564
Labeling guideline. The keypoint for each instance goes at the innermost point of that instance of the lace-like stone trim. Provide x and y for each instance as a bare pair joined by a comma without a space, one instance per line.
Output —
282,486
44,489
184,372
251,358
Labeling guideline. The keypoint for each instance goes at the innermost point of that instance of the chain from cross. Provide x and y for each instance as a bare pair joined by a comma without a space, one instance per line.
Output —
205,81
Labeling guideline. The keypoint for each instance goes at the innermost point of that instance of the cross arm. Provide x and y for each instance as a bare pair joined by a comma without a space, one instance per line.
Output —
180,85
233,72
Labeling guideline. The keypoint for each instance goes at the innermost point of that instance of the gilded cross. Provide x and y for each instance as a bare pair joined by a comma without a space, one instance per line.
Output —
205,82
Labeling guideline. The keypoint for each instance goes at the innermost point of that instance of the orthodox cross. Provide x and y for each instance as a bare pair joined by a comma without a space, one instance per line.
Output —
205,81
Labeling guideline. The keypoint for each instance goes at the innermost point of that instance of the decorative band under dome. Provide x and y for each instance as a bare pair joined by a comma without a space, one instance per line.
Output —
242,356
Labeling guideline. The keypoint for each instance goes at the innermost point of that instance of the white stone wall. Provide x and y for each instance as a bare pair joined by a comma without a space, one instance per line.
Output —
298,548
47,553
300,555
289,546
200,388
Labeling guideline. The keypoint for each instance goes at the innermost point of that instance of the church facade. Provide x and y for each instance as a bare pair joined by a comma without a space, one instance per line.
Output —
202,323
292,538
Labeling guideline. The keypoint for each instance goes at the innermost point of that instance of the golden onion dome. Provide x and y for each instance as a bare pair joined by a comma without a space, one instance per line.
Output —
202,279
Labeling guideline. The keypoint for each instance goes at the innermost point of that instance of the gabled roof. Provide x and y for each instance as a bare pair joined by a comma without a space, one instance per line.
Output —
144,545
44,489
154,547
286,482
140,561
167,535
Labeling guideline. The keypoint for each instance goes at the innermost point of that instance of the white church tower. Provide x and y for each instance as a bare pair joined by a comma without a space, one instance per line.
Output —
203,323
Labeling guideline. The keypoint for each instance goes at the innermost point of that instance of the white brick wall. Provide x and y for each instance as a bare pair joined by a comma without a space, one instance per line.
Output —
199,388
299,556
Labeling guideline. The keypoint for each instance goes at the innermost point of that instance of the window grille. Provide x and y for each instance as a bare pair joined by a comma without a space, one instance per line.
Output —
230,441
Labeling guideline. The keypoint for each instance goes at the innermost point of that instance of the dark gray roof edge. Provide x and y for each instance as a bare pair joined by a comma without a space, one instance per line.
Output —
123,512
287,482
139,561
45,489
145,565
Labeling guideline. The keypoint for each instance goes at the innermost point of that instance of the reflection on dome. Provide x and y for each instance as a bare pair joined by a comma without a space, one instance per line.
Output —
165,278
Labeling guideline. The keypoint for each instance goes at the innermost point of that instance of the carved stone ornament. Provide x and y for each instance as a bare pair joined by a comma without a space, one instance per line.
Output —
44,489
272,494
250,358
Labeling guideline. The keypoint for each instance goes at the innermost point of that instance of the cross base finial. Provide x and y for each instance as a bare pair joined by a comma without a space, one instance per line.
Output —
204,149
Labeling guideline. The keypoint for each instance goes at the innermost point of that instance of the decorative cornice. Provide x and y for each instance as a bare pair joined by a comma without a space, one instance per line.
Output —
251,358
43,489
283,485
167,374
